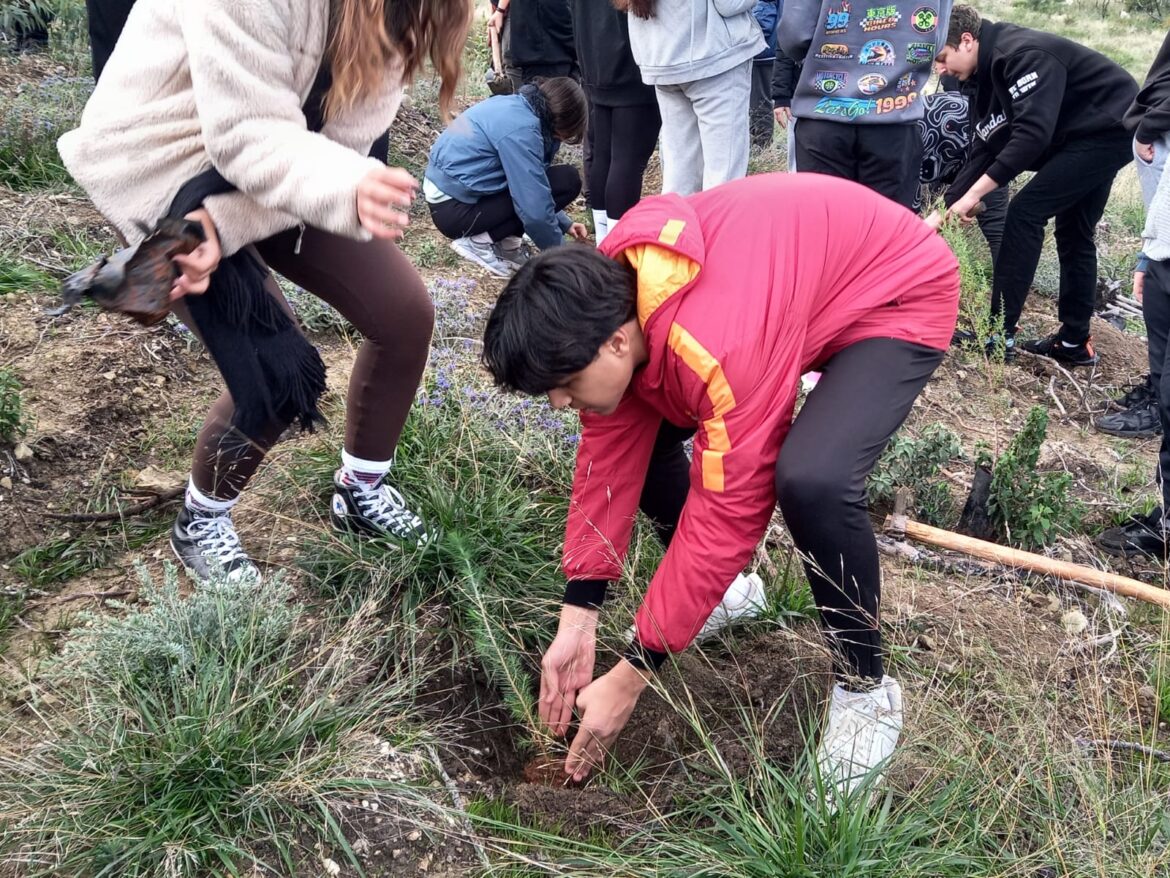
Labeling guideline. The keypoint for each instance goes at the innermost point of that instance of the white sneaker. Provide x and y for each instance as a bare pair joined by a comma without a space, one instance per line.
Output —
483,255
744,599
860,736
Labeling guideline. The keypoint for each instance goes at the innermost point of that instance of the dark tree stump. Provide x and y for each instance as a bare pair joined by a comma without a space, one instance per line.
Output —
976,518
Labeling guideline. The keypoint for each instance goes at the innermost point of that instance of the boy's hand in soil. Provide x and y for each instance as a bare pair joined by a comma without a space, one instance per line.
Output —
578,232
567,666
606,705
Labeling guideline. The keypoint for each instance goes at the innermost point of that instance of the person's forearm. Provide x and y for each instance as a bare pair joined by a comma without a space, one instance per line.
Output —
981,187
578,617
634,680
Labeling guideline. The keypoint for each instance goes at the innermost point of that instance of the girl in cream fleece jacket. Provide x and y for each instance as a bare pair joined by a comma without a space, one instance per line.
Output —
221,84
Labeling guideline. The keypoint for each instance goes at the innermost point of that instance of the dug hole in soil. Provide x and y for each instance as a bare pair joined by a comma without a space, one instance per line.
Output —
762,696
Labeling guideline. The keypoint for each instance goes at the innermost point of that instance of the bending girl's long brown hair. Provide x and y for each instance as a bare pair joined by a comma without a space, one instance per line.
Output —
367,35
639,8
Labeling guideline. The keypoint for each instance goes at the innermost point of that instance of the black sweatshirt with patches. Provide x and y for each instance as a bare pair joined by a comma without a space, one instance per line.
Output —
1035,92
1148,117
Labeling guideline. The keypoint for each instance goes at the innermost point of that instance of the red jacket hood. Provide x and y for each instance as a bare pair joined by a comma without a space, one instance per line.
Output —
666,221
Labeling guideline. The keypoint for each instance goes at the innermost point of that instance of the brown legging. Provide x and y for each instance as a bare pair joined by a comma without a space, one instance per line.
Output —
376,289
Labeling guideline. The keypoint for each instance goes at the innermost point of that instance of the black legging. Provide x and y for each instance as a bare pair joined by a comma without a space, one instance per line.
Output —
623,141
862,398
495,213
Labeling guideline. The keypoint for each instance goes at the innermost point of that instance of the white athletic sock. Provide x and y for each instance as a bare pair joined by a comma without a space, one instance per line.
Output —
600,226
366,473
482,238
197,501
610,222
512,242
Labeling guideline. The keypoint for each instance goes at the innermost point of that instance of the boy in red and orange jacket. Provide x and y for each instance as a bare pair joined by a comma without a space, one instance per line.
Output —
698,315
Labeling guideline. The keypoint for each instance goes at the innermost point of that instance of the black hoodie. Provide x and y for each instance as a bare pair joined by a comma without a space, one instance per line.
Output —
1148,117
608,71
541,33
1035,92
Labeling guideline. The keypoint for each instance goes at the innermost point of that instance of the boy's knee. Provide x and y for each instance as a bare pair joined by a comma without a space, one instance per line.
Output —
802,489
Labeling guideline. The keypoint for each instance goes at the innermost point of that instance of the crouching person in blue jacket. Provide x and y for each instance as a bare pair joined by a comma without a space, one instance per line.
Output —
490,177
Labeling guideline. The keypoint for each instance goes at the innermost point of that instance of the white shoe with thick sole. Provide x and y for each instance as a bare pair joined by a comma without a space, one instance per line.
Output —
744,599
859,737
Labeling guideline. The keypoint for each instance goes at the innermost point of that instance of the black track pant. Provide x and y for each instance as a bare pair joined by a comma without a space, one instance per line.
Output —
761,122
993,219
864,395
884,158
106,20
495,214
623,141
1156,310
1072,187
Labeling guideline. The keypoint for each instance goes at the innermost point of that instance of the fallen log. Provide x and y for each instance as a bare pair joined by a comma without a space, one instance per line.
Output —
899,525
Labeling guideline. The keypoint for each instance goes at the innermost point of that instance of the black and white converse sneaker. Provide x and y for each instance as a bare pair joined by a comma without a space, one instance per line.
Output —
207,542
380,512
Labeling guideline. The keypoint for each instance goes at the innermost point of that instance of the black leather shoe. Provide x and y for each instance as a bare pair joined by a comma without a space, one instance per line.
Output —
1140,536
1135,423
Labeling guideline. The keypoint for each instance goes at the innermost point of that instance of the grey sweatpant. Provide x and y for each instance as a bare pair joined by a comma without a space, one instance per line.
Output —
705,130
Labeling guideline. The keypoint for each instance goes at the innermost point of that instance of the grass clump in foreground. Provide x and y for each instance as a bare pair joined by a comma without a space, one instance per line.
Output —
209,734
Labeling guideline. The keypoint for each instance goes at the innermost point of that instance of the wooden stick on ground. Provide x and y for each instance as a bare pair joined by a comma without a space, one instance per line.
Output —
900,525
117,514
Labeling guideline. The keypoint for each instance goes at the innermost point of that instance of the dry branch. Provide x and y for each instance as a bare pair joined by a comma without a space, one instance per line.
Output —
118,514
1124,747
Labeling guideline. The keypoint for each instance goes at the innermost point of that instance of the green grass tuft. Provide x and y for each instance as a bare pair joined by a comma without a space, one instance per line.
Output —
213,734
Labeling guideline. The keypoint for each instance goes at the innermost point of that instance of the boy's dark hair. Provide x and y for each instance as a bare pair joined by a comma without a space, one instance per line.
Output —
964,20
553,317
566,106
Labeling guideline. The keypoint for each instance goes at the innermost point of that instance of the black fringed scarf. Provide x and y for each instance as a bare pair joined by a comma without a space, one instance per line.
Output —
272,371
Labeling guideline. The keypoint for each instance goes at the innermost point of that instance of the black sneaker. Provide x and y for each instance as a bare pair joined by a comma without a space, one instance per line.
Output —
1053,346
1136,422
379,512
1138,393
1145,535
207,543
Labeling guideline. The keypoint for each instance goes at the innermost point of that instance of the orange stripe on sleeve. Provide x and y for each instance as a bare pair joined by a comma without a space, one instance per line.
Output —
671,231
709,370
